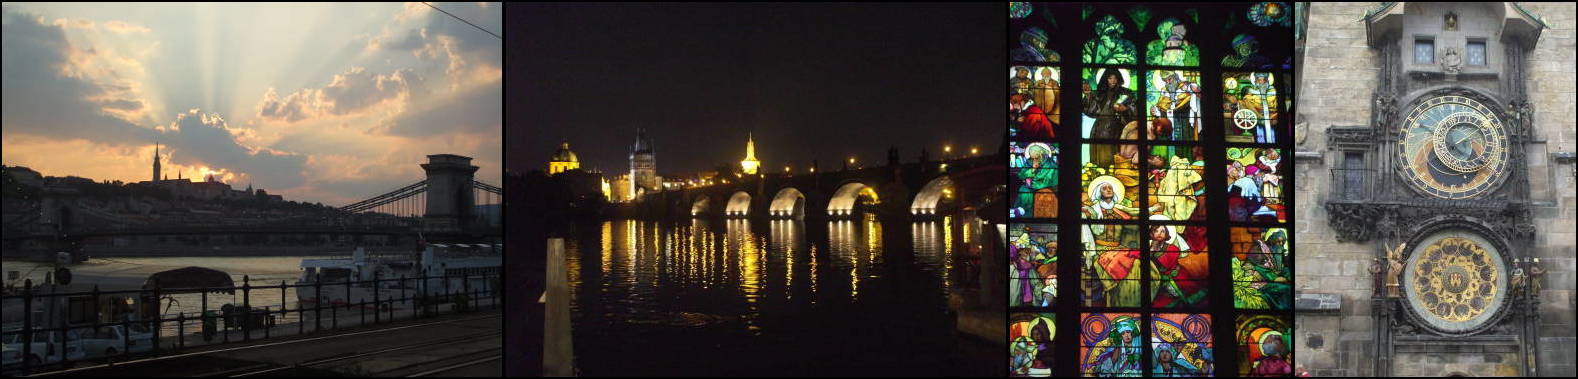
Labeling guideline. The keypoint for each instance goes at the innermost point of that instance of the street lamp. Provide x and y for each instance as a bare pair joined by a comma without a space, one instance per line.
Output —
974,151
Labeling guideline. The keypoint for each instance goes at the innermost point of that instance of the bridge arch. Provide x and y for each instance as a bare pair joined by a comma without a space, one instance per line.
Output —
788,203
931,195
700,206
848,195
739,204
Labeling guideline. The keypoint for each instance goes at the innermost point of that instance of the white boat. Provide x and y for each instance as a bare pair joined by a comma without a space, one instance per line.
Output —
464,265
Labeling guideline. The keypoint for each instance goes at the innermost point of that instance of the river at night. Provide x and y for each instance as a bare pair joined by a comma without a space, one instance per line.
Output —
780,297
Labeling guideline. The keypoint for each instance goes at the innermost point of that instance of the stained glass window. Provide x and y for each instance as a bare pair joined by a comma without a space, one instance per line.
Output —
1032,249
1035,120
1031,337
1180,227
1109,46
1033,105
1180,271
1261,277
1110,275
1172,46
1110,344
1264,345
1181,345
1173,105
1254,184
1034,167
1250,107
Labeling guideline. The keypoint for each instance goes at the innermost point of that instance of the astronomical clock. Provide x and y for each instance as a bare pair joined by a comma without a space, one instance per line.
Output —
1455,281
1437,183
1452,147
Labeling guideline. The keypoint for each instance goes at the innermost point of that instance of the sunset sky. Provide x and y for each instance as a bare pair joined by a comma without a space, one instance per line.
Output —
327,103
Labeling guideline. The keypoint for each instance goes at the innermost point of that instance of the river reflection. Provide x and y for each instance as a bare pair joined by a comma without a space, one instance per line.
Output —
763,297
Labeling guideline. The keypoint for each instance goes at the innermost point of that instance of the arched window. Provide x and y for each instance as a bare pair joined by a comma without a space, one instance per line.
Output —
1169,267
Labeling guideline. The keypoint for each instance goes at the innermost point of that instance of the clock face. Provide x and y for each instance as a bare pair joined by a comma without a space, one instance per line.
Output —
1456,280
1453,147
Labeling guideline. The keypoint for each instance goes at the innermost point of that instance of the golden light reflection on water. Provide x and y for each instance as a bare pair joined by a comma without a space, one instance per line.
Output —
698,273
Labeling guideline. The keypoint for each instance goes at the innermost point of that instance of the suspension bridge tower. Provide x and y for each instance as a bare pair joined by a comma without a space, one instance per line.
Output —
450,205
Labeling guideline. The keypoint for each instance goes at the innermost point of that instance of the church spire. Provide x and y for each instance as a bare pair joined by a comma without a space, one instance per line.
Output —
750,164
156,161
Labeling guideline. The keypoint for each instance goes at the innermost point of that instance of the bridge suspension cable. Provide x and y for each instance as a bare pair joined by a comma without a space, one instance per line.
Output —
386,198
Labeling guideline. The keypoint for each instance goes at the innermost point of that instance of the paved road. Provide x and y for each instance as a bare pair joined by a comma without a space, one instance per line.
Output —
453,345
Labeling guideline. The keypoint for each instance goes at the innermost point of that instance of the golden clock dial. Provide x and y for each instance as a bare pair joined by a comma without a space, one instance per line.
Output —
1453,147
1456,280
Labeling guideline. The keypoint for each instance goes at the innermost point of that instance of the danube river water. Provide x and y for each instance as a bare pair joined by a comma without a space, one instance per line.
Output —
765,297
130,273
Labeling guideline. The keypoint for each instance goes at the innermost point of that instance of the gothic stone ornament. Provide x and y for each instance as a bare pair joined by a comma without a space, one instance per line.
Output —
1456,281
1453,147
1451,60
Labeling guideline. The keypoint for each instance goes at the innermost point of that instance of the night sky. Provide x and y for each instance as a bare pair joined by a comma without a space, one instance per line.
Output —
812,81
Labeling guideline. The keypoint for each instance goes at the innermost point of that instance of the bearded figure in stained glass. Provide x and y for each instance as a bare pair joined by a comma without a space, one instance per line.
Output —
1260,278
1109,47
1039,173
1177,103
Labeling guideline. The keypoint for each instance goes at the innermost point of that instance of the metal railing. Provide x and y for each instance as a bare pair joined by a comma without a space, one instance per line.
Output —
424,300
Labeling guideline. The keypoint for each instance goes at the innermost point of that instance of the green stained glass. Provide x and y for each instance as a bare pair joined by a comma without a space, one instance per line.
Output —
1172,48
1109,47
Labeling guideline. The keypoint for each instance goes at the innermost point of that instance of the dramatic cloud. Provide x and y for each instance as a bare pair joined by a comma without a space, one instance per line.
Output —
199,138
46,91
346,94
469,55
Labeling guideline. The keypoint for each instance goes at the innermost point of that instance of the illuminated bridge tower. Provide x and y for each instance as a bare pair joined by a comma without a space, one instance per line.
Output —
643,166
449,201
750,164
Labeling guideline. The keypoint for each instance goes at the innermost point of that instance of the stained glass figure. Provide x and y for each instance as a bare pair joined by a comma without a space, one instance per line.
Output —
1175,178
1246,54
1173,105
1181,345
1033,102
1172,48
1112,107
1180,271
1033,47
1108,47
1250,108
1034,166
1110,273
1032,249
1110,344
1031,350
1254,185
1261,279
1263,345
1111,187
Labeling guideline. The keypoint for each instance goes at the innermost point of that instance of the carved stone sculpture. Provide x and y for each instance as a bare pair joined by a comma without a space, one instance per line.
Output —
1451,61
1375,274
1394,272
